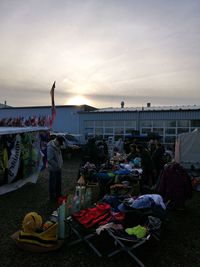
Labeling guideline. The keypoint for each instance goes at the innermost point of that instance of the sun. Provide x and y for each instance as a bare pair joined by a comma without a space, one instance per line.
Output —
77,100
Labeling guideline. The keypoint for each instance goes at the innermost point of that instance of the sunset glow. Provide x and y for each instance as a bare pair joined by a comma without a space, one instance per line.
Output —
78,100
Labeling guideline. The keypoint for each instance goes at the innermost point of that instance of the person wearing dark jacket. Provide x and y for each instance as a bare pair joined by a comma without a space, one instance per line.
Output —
133,153
147,165
55,163
175,185
92,151
158,158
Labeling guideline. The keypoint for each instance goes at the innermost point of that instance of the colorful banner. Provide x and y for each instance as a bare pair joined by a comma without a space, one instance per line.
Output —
14,160
25,161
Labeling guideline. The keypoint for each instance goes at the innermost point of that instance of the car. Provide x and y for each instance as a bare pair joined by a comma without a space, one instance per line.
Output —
71,143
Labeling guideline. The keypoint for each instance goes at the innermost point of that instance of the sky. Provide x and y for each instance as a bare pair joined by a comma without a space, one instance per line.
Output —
100,52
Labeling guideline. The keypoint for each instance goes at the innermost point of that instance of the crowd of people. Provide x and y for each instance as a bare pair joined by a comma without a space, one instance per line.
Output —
151,154
156,173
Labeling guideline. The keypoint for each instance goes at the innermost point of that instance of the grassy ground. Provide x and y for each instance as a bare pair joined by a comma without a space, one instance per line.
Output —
179,247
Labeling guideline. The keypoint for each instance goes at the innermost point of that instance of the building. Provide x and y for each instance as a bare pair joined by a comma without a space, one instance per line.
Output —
167,121
87,121
4,105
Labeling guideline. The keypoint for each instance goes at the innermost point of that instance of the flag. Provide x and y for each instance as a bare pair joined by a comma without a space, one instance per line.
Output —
53,108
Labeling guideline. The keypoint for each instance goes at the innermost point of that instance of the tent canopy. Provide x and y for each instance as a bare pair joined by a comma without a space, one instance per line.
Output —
15,130
188,148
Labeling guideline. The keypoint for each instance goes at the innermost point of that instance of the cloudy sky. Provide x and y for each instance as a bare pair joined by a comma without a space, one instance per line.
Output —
100,52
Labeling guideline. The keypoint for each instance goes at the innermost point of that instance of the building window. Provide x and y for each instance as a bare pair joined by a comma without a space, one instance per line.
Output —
119,123
98,123
170,123
108,123
129,131
195,123
192,129
183,123
145,123
130,124
158,123
170,139
117,137
158,131
182,130
119,130
108,130
170,131
98,131
88,124
145,130
89,130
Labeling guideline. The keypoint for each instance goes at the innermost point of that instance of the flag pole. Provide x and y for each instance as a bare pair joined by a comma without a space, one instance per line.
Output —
53,108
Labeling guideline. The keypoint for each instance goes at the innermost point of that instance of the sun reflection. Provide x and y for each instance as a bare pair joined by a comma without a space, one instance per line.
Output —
77,100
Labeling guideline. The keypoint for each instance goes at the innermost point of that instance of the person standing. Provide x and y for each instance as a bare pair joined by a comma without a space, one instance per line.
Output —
158,159
55,163
147,166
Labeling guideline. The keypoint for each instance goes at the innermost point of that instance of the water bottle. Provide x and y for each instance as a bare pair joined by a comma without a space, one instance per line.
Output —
76,204
82,197
69,205
88,198
61,222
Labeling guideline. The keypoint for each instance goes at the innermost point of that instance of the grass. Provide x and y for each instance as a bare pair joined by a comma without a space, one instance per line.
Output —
179,246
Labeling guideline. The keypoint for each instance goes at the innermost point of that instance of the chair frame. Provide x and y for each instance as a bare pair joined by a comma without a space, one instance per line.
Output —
119,241
81,238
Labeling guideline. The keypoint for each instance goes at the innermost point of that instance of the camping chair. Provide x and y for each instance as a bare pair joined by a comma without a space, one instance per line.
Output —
83,224
81,234
122,242
128,243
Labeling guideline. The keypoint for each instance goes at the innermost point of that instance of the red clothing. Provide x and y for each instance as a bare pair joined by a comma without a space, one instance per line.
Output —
101,214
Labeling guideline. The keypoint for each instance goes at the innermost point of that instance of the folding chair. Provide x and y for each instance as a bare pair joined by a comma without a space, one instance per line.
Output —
120,240
81,235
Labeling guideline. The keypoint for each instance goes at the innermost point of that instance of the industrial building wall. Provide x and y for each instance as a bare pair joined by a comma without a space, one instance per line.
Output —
24,112
167,123
169,115
67,120
77,120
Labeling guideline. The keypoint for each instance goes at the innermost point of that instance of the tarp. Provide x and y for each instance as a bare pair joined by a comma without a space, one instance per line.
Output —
15,130
187,149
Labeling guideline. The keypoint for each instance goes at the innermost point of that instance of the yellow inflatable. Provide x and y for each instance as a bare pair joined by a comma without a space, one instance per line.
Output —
32,222
33,231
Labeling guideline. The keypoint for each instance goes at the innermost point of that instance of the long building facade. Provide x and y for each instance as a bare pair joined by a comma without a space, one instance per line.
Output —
168,122
88,121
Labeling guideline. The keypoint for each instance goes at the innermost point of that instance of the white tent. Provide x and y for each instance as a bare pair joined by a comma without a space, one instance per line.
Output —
187,149
10,186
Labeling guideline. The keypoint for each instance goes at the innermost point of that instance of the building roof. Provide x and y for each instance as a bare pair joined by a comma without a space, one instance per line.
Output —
4,105
151,108
85,107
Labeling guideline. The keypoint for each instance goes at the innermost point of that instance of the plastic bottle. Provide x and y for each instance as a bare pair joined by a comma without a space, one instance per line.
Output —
61,222
69,204
88,198
76,203
82,197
